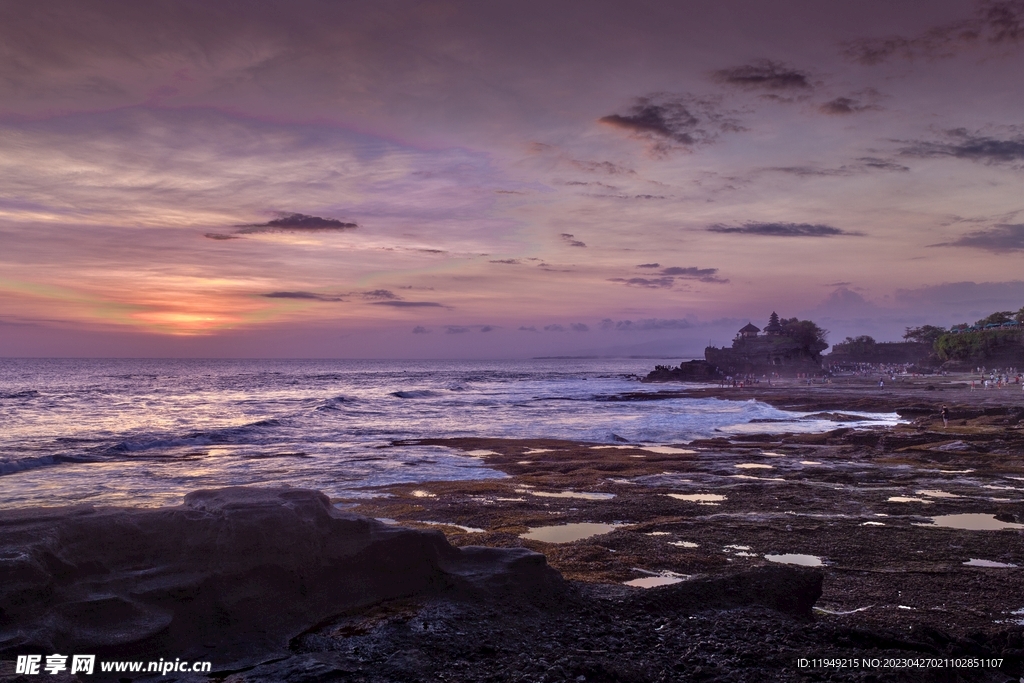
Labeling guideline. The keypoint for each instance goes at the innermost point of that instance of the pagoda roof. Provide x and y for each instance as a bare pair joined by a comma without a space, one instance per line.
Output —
750,327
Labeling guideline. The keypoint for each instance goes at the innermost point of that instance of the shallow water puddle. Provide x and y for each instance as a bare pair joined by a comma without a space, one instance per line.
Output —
972,521
511,500
419,493
535,451
653,581
872,523
656,579
684,544
701,498
773,454
567,533
668,450
988,563
570,494
747,476
932,493
907,499
467,529
658,533
795,558
753,466
810,462
481,452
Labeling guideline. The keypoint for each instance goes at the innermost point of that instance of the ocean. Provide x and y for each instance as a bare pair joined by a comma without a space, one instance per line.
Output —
143,432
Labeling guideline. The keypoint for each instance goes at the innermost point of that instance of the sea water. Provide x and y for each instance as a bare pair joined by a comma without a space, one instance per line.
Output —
145,432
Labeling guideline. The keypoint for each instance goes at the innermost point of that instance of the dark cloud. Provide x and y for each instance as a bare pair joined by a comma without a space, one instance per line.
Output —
408,304
419,329
994,22
531,328
579,327
781,229
381,294
571,240
837,284
842,106
455,329
649,265
297,222
433,251
554,328
646,325
764,74
309,296
219,236
509,261
961,144
858,166
684,120
488,328
650,283
1000,238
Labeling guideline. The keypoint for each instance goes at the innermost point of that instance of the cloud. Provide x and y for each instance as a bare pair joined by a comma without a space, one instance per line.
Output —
531,328
571,240
219,236
961,144
781,230
685,120
646,325
1000,238
842,106
579,327
297,222
649,265
601,167
650,283
985,296
381,294
308,296
994,22
488,328
860,165
508,261
702,274
408,304
838,284
554,328
419,329
455,329
764,74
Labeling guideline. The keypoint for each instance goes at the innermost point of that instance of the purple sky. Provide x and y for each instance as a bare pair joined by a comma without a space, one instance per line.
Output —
501,179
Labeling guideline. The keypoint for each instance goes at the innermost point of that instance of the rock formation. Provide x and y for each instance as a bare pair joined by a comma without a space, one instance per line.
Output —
230,576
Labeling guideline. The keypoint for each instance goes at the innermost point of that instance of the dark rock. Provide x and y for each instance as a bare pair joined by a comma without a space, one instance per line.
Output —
243,570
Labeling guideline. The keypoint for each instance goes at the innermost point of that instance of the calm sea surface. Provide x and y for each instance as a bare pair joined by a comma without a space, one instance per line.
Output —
145,432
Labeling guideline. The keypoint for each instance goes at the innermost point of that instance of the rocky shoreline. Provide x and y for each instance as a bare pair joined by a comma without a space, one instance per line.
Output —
875,515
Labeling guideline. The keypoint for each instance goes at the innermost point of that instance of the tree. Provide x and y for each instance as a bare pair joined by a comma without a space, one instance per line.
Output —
924,334
998,318
809,335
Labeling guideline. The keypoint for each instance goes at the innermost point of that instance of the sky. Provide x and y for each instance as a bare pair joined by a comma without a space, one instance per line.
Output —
398,179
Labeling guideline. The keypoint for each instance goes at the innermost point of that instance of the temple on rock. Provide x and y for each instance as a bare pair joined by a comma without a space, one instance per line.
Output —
785,347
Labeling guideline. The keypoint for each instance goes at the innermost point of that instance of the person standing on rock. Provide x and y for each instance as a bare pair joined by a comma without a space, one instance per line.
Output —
945,415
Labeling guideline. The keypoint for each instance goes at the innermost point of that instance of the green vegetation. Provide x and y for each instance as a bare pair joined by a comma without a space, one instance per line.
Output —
925,334
806,333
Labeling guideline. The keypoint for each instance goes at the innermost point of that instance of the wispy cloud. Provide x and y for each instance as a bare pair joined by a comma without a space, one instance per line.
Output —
308,296
994,22
419,329
961,144
647,324
408,304
668,120
998,239
781,229
650,283
571,240
764,74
